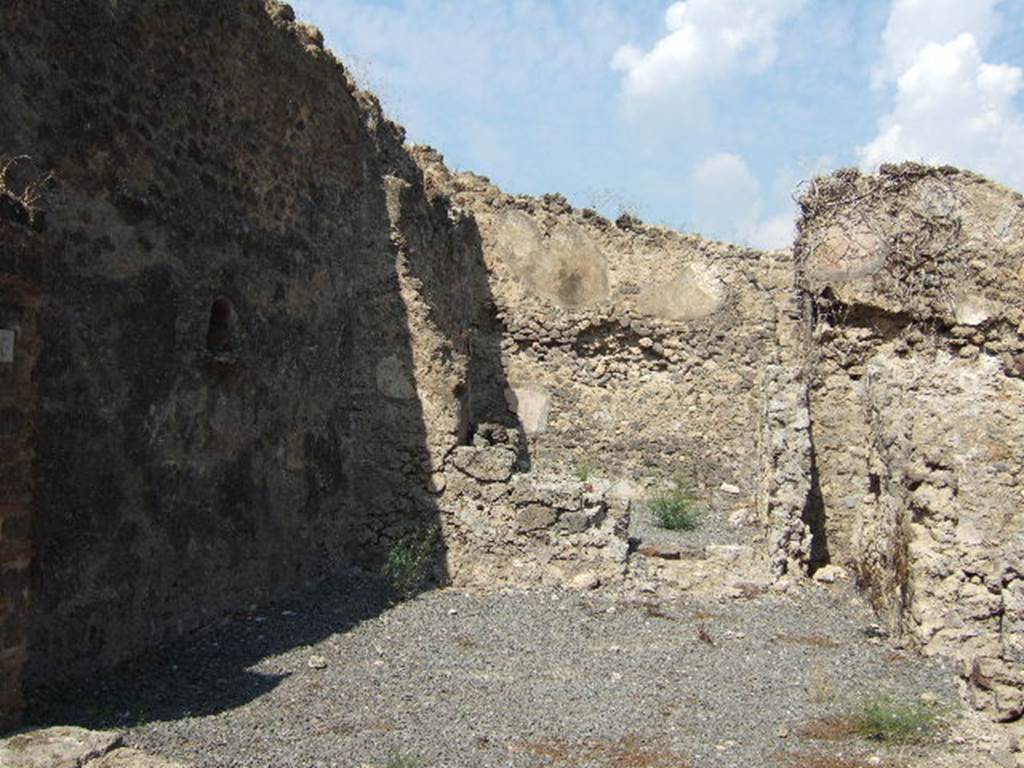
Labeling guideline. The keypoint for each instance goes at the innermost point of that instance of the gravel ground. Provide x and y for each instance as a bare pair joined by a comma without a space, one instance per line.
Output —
539,678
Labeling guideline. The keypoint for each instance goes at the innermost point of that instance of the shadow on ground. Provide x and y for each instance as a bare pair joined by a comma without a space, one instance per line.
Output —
208,671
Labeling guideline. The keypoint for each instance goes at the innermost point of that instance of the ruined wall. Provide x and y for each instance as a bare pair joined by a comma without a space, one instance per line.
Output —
631,352
275,341
913,284
20,302
247,377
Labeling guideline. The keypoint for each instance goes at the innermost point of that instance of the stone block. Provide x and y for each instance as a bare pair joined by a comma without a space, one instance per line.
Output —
534,518
574,522
491,464
58,747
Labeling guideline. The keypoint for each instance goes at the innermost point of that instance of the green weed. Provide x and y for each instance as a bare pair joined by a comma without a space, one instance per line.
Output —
398,760
901,720
674,507
409,560
585,470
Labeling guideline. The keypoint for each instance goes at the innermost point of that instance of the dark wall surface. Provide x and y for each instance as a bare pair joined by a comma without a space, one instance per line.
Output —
224,288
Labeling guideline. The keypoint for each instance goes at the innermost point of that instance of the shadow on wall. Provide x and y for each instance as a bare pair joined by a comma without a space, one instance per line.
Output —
449,267
212,430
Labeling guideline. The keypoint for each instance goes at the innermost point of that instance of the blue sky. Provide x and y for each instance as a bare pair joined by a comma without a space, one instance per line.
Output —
703,115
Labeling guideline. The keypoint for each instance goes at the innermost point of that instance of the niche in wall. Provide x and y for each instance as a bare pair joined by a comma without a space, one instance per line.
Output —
222,330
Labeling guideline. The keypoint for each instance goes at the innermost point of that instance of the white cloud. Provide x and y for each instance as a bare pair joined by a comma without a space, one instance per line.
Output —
951,106
915,24
728,201
706,39
726,176
775,232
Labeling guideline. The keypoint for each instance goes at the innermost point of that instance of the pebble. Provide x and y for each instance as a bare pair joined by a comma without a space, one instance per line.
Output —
585,581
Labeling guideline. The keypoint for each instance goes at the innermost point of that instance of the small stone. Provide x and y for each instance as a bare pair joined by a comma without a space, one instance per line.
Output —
317,662
783,584
829,574
875,630
783,732
492,464
663,551
312,35
730,488
739,518
282,11
930,699
453,611
584,581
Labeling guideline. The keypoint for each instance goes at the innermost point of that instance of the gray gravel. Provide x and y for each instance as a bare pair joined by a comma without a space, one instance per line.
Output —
538,678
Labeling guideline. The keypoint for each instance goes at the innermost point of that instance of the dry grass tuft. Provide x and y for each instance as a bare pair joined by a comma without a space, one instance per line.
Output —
885,718
750,591
33,192
704,635
655,611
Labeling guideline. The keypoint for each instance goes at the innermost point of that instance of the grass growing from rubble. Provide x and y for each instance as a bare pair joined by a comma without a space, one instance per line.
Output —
884,717
585,471
409,560
674,508
903,721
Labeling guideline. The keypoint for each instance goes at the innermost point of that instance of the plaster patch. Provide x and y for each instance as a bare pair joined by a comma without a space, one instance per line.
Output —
531,404
566,268
393,380
696,293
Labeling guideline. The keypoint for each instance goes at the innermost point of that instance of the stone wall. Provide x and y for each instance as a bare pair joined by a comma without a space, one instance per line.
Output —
913,288
252,356
632,353
276,342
